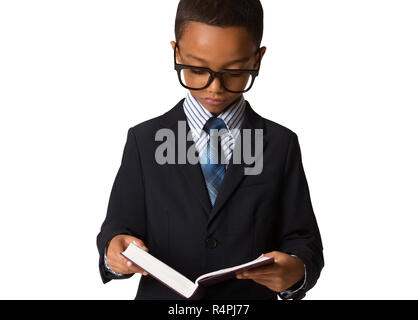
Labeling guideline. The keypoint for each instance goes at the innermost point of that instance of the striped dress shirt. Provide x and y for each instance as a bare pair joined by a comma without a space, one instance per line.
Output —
197,116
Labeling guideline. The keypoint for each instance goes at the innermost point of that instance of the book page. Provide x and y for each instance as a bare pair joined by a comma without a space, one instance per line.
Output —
226,270
159,270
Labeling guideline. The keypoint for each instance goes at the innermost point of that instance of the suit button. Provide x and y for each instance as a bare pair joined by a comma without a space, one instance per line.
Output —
211,243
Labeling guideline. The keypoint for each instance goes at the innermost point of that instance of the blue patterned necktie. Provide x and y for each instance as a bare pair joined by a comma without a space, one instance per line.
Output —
213,170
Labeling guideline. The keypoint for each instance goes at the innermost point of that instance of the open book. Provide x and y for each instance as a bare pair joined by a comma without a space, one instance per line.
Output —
179,283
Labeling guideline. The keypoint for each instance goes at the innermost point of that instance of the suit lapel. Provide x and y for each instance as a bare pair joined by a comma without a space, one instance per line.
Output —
192,173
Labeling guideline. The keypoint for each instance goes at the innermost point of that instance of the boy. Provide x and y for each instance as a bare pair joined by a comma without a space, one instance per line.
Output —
210,215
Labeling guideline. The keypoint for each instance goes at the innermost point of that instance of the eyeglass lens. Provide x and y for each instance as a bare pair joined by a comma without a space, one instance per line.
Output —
198,79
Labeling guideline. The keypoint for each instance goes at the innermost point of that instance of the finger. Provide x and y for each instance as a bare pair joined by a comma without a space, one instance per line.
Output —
120,263
258,277
261,271
141,245
269,254
278,256
253,276
125,261
116,264
260,280
124,265
128,269
132,268
138,242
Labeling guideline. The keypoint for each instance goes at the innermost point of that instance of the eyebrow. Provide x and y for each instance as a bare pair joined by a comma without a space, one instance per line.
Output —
229,63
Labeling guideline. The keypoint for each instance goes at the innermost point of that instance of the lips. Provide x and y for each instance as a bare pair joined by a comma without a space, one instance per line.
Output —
214,102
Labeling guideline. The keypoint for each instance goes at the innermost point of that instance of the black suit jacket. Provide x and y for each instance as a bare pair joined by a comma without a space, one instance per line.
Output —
168,207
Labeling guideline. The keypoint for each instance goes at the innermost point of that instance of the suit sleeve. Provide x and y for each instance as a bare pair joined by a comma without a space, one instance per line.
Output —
299,234
126,207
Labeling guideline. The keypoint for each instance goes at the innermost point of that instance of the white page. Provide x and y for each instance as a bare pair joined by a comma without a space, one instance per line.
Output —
260,258
160,270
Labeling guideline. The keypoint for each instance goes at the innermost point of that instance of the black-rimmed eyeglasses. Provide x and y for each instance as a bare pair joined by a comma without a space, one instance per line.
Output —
199,78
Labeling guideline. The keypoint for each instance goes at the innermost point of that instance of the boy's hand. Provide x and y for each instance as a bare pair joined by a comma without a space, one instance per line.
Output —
279,276
119,263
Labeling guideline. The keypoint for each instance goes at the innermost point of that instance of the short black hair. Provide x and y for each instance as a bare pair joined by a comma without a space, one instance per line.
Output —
222,13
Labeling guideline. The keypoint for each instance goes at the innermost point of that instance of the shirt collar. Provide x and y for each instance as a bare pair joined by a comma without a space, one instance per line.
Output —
197,115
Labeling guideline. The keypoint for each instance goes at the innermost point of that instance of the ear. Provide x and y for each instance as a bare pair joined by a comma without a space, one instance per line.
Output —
259,58
263,51
173,45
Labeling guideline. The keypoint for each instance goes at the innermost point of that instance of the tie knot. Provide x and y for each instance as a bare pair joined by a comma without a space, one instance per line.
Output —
214,123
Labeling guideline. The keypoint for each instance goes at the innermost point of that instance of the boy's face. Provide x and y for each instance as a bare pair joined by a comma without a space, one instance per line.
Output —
216,48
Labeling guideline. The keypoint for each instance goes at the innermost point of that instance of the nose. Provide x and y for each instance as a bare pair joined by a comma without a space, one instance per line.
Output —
215,85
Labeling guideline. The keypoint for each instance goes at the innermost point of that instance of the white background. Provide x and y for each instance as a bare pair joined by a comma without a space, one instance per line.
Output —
75,75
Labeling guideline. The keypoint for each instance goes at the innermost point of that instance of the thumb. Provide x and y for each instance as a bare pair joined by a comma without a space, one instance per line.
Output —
273,254
140,244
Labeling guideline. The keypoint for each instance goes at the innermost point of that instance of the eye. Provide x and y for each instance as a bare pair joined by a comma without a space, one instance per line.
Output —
197,71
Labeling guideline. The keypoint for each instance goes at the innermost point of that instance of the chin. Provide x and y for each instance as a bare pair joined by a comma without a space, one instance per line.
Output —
215,109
